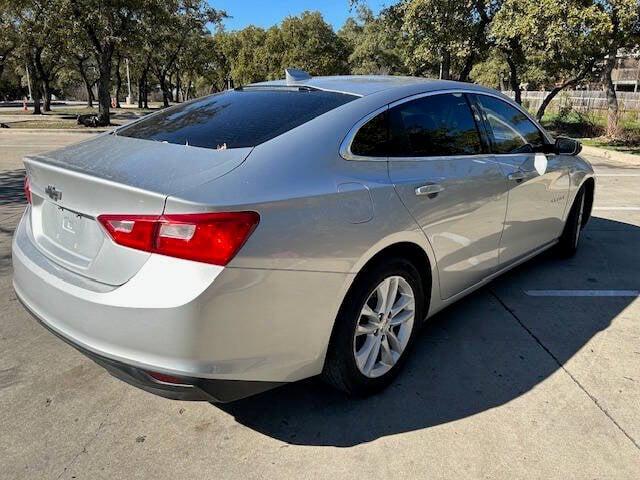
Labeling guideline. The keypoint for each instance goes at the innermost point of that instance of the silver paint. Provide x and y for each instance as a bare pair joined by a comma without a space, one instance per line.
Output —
268,315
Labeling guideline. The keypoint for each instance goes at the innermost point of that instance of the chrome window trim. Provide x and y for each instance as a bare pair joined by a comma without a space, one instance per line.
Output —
345,146
522,110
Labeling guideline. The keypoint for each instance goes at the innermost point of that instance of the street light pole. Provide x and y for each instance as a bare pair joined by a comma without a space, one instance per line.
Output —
128,83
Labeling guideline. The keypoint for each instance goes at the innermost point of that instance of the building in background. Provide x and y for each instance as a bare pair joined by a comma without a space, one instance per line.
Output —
626,75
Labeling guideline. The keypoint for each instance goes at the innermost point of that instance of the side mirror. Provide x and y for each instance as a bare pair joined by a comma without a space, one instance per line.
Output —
567,146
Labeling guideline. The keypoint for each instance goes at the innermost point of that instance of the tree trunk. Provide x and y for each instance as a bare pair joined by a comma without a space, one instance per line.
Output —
163,86
87,84
104,88
170,88
569,83
478,40
613,130
145,104
46,95
118,82
89,88
4,55
140,91
445,72
187,94
468,66
35,94
514,81
178,87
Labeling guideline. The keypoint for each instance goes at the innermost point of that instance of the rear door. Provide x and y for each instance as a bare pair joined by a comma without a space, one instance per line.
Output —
445,176
538,181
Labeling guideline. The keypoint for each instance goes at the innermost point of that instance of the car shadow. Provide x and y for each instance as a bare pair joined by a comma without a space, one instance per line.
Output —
12,187
471,357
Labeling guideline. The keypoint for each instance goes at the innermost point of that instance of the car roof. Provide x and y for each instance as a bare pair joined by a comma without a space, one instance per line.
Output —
363,85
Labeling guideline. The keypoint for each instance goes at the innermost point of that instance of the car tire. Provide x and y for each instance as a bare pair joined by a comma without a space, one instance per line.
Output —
363,357
570,238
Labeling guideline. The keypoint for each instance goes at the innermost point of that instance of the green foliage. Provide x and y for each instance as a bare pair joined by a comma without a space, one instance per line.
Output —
245,51
373,43
550,40
309,43
437,33
306,42
540,44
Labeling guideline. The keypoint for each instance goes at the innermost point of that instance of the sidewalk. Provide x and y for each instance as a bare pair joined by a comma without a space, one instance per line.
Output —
624,159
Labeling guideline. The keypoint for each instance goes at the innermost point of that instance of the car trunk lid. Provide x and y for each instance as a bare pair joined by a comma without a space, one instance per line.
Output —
110,175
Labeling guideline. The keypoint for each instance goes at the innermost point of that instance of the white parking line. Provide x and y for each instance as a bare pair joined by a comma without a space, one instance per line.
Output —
618,208
583,293
617,175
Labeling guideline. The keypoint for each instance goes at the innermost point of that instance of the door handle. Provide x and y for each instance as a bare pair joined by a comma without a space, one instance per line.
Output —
429,189
518,176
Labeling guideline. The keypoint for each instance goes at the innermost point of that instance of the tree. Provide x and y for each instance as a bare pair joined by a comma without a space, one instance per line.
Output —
174,23
311,45
81,63
439,35
557,41
372,43
41,45
245,51
8,36
216,71
104,25
569,43
623,22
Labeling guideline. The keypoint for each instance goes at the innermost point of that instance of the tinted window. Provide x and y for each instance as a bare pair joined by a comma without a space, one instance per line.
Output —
513,132
432,126
371,139
236,118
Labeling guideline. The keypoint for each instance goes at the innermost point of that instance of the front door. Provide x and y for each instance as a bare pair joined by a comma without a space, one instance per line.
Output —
538,181
450,184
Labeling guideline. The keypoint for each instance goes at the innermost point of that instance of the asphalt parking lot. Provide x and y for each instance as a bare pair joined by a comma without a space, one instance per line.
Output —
526,378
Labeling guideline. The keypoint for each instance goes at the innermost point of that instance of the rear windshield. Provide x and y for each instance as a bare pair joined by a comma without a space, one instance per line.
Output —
236,118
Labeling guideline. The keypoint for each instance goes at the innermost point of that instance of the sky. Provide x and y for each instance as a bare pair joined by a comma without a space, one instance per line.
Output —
265,13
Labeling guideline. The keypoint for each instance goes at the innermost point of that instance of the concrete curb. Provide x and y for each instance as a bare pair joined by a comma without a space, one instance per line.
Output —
610,154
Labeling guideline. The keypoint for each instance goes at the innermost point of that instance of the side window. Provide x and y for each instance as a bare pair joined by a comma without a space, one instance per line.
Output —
435,125
371,139
513,132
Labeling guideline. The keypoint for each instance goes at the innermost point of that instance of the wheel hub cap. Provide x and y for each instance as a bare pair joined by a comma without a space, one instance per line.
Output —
384,327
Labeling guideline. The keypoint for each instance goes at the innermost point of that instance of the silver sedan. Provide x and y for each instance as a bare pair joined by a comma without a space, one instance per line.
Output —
289,229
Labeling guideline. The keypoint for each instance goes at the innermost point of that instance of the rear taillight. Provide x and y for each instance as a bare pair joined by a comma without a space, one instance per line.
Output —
202,237
27,189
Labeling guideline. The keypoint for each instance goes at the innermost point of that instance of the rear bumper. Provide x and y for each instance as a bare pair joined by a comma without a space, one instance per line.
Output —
193,389
212,326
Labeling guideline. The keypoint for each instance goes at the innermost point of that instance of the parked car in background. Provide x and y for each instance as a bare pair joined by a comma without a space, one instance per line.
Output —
289,229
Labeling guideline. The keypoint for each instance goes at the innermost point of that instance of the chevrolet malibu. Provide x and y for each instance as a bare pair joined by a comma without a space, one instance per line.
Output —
289,229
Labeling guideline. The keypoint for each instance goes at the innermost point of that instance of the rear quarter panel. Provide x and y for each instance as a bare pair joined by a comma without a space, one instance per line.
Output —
307,196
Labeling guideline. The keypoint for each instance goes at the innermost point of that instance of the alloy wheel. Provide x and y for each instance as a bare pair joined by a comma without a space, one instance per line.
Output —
384,327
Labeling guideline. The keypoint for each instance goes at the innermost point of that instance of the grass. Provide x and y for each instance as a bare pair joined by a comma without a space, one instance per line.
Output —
71,111
49,124
591,128
66,118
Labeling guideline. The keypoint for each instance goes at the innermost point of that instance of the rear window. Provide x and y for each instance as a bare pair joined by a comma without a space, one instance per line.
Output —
236,118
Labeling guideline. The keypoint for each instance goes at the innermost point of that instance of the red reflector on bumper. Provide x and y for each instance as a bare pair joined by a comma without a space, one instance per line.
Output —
164,378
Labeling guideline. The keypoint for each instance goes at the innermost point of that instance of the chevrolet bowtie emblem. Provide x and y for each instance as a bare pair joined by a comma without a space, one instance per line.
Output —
55,195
